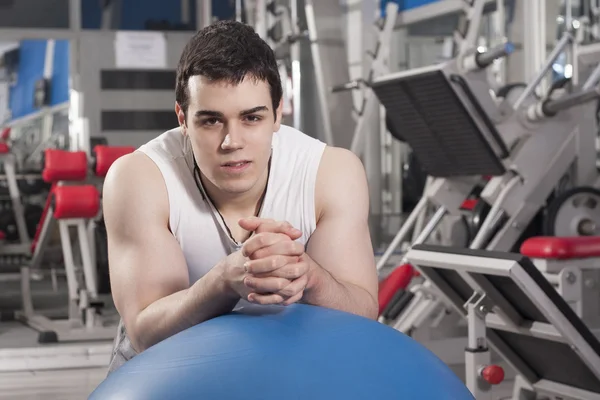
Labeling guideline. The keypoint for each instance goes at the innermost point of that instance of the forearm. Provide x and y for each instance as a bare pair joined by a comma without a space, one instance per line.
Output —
326,291
207,298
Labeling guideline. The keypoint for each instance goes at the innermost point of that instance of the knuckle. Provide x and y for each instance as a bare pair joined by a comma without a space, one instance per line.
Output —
297,271
281,285
261,239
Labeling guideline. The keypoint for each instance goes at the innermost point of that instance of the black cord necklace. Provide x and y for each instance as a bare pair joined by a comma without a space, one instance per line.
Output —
206,197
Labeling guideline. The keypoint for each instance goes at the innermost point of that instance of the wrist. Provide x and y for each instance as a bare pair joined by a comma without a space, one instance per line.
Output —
313,274
221,281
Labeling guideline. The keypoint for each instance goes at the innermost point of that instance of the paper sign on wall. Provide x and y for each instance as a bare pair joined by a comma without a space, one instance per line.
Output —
140,50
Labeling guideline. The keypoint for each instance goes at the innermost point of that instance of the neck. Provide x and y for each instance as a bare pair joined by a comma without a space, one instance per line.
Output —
237,203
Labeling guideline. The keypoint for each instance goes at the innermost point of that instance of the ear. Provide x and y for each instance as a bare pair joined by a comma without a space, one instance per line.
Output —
180,117
279,113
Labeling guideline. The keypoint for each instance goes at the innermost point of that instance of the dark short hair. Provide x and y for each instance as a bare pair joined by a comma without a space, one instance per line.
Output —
227,51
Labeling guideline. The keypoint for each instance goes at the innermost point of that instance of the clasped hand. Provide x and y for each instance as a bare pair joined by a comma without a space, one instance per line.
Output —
275,267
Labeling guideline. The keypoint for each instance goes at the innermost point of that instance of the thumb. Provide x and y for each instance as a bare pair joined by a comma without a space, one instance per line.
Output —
249,223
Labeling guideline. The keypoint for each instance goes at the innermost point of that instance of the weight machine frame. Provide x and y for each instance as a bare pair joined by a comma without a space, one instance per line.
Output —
510,306
521,188
83,322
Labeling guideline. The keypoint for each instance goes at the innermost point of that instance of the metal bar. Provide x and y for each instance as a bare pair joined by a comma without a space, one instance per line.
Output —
403,232
74,16
571,100
89,272
563,42
185,11
494,215
483,60
207,12
15,196
38,114
592,79
474,15
378,67
296,70
65,239
318,68
238,10
203,13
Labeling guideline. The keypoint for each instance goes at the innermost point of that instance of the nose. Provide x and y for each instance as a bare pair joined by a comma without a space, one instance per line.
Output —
233,140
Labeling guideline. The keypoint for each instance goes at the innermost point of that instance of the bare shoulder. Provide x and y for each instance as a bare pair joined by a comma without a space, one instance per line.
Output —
134,189
341,178
337,163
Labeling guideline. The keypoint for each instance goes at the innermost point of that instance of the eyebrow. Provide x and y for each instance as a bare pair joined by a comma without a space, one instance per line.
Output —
218,114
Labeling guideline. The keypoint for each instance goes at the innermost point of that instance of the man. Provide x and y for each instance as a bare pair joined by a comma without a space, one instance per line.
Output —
232,207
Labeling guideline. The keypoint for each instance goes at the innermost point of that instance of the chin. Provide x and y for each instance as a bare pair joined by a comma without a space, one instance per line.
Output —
236,186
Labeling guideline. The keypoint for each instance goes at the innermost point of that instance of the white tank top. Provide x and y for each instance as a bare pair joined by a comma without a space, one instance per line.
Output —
193,219
196,224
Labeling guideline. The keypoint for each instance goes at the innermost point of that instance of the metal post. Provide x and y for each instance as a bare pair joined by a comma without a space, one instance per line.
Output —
378,67
318,68
296,70
238,10
203,13
477,353
500,34
535,40
185,11
75,15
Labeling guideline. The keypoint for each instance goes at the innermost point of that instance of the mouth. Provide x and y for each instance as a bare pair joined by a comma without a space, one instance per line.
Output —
236,167
236,164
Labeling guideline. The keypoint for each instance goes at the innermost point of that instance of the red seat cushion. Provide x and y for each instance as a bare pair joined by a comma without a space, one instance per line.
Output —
395,281
562,248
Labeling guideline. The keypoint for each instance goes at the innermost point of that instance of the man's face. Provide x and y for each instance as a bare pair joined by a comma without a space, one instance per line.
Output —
231,128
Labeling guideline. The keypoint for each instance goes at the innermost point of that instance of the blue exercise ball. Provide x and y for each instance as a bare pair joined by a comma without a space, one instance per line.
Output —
295,352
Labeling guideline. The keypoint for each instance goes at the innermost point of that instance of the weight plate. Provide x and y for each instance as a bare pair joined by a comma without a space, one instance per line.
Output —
575,212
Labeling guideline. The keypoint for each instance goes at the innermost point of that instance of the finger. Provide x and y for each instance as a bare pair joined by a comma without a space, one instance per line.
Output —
293,299
261,240
282,248
280,227
270,264
266,285
290,268
265,299
252,223
259,225
294,287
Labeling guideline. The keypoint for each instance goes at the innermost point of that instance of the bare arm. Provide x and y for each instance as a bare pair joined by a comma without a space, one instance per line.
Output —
342,264
148,272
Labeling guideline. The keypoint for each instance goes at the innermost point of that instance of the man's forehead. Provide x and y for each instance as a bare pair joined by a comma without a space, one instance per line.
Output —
199,82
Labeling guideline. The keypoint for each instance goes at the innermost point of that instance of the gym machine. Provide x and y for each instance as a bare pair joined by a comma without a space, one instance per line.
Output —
278,22
513,308
522,148
73,202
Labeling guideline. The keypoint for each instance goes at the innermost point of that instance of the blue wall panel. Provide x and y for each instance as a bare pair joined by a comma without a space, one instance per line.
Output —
31,69
135,13
60,73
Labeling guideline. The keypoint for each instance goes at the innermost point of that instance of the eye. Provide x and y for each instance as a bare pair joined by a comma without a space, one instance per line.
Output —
253,118
210,121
